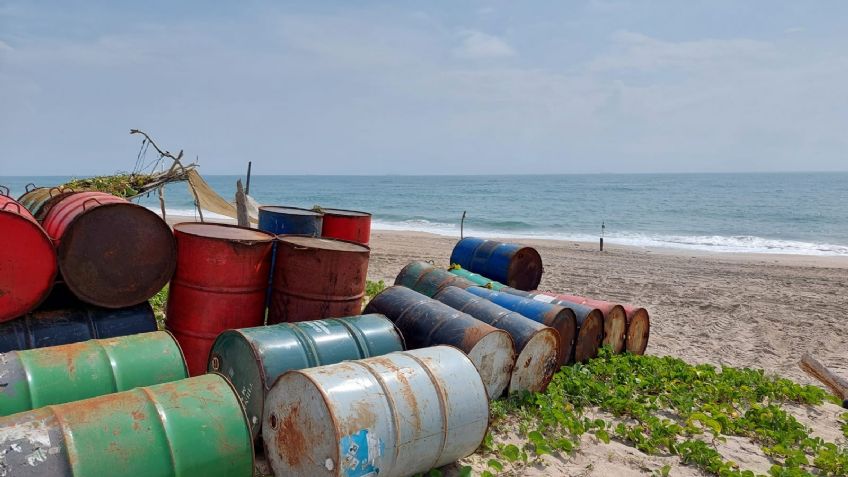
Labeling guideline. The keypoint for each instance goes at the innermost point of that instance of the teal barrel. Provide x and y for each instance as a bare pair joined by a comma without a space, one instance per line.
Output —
194,426
514,265
427,280
35,378
253,358
476,278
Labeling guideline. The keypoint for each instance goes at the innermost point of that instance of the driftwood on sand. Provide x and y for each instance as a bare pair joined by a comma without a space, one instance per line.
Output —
837,385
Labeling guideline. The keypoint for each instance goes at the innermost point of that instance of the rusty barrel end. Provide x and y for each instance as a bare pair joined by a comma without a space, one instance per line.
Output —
564,322
590,334
537,362
615,328
494,357
638,329
116,254
525,269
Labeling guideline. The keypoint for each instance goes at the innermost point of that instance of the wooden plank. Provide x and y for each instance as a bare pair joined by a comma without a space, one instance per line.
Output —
836,384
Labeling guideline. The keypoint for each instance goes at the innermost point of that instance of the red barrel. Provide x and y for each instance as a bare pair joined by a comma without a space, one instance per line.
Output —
317,278
220,283
27,260
111,252
347,225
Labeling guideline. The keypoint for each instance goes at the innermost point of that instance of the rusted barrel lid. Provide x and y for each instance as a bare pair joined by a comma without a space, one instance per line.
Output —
345,213
223,232
112,253
323,243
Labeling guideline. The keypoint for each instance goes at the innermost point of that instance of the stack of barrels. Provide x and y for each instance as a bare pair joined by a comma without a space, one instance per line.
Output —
268,344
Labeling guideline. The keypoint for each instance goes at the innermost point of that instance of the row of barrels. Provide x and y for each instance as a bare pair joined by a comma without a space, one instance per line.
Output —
325,396
351,225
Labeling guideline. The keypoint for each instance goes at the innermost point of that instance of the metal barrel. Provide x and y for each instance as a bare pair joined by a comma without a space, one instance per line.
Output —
290,221
317,278
43,328
27,260
512,264
426,322
476,278
30,379
590,323
638,329
253,358
536,345
427,279
615,319
193,426
220,284
351,225
33,199
111,253
392,416
557,317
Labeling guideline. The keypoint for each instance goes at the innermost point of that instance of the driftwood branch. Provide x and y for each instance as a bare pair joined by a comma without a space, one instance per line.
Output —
241,206
836,384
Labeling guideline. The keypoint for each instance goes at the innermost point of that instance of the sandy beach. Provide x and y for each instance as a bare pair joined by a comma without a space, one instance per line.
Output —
743,310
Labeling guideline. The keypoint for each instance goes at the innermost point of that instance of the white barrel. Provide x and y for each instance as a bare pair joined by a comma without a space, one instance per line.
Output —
393,415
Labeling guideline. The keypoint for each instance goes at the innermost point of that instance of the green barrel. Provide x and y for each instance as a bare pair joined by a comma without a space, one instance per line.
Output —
253,358
190,427
477,279
31,379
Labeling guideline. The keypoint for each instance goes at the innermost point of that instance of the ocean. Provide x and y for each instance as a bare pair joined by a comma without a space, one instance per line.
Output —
793,213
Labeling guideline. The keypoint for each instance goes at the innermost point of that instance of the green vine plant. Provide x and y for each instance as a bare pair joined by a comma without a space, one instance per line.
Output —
664,406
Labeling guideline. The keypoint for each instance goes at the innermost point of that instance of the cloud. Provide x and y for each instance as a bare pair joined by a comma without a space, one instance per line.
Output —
478,45
636,51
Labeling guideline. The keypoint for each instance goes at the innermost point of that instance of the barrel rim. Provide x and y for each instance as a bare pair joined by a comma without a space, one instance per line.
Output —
512,270
282,208
293,239
345,213
176,343
62,252
181,226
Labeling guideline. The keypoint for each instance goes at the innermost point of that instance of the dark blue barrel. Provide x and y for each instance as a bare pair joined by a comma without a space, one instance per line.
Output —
590,322
426,322
557,317
290,221
537,345
43,328
515,265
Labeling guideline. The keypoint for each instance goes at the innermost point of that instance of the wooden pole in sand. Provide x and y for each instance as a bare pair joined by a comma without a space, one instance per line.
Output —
462,226
247,185
162,200
241,206
836,384
602,235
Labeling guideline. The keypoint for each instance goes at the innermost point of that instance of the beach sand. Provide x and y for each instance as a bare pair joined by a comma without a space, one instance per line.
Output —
743,310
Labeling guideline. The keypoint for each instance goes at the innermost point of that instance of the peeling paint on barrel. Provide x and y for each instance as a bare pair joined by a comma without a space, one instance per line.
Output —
355,419
138,432
427,279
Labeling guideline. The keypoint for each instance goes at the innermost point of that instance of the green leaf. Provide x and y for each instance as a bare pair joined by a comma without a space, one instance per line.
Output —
465,471
495,464
511,452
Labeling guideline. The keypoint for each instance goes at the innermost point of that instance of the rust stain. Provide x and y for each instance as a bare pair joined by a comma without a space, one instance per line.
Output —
137,416
363,418
291,443
472,335
406,391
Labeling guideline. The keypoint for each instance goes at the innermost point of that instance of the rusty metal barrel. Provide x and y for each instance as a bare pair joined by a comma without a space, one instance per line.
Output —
351,225
253,358
427,279
290,221
392,416
220,284
35,197
193,426
30,379
590,323
317,278
557,317
537,346
638,329
27,260
111,252
515,265
54,327
615,318
426,322
476,278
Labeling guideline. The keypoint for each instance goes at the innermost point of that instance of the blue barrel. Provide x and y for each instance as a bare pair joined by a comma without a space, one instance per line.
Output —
514,265
557,317
290,221
43,328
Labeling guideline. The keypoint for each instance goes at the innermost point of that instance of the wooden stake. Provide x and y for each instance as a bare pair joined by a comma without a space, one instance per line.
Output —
162,200
836,384
241,206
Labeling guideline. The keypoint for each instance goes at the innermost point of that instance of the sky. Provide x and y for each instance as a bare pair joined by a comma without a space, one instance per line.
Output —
426,87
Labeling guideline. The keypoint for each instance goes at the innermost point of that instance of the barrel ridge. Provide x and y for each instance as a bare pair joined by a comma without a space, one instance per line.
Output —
443,408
